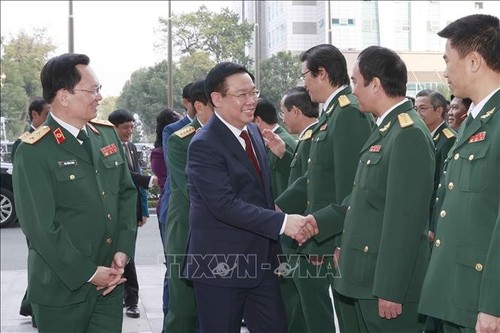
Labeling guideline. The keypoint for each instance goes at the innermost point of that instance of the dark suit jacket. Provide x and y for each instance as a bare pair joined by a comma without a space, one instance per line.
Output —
140,181
234,228
76,212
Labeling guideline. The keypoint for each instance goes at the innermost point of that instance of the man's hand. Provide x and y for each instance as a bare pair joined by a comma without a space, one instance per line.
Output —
120,259
107,278
487,323
431,236
388,309
336,257
143,221
155,180
300,228
274,143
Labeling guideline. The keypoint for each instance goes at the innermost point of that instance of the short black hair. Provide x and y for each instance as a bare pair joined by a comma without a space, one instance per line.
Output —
36,105
387,66
60,72
185,90
300,98
331,59
465,101
216,77
120,116
266,111
197,92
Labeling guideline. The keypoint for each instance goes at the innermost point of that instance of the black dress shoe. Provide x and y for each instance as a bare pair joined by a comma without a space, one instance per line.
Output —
133,311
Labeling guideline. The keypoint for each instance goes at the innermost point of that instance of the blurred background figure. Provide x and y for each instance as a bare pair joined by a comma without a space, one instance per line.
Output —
458,111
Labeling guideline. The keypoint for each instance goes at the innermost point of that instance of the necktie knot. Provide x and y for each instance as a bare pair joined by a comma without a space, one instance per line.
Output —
82,135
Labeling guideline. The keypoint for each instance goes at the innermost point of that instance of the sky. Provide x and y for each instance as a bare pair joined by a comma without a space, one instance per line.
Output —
118,36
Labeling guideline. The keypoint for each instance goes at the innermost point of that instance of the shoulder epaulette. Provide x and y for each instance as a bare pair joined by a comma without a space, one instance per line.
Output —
307,135
24,135
36,135
405,120
102,122
448,134
344,101
185,131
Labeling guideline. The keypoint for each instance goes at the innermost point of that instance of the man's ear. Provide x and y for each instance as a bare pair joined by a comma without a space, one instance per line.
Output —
475,61
216,98
62,97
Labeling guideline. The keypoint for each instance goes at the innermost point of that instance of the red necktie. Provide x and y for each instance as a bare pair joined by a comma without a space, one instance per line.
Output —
250,152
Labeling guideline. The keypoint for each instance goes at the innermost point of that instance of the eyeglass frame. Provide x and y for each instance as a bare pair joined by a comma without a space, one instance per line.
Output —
252,95
303,75
93,92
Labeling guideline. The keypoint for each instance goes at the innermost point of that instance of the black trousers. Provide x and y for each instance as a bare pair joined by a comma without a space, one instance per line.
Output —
131,292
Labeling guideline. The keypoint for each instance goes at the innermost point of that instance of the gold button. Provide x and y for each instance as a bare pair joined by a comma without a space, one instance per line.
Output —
443,213
471,157
368,162
451,186
438,243
72,177
478,267
109,216
456,156
109,240
365,249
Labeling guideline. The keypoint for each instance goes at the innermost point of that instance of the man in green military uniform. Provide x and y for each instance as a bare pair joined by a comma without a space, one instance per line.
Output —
76,202
300,115
181,316
336,141
384,252
462,286
431,106
266,118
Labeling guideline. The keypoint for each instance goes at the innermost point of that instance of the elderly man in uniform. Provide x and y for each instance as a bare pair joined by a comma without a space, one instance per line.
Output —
76,204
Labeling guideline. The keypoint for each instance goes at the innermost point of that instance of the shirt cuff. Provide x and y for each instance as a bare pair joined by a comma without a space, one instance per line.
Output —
150,182
92,276
282,230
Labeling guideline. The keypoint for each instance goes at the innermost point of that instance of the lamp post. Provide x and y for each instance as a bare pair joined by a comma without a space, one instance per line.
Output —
71,41
170,85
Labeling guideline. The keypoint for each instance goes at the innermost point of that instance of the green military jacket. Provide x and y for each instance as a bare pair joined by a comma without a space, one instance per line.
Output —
178,211
444,138
77,212
280,167
384,251
336,141
464,272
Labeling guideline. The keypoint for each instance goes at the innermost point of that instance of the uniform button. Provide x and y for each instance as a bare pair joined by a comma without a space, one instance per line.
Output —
451,186
442,213
471,157
103,193
439,185
96,171
349,208
437,199
368,162
365,249
478,267
438,243
109,240
444,171
72,177
109,217
308,202
116,163
309,161
308,181
343,231
456,156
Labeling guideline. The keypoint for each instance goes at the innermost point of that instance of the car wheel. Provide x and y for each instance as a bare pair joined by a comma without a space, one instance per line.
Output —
7,209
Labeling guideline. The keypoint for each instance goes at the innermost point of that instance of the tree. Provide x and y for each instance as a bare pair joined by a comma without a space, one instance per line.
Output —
23,57
219,34
278,74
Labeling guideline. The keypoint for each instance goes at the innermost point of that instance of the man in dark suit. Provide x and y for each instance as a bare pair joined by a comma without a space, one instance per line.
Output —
124,123
76,204
234,229
461,285
384,251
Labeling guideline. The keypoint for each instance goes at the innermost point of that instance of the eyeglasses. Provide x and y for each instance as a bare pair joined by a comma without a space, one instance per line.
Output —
92,92
243,97
303,75
423,108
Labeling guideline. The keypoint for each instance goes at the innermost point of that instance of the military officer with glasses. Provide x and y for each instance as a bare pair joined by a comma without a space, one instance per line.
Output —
76,206
334,155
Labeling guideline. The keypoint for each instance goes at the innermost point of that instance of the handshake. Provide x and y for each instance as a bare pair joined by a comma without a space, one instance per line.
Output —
301,228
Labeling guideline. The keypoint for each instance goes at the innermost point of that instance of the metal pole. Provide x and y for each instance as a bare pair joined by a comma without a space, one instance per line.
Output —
257,45
329,26
71,41
170,101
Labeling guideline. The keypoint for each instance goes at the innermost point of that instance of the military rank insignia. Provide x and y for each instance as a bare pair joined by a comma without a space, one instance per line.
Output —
322,128
488,114
375,148
58,134
185,131
109,150
93,128
307,135
448,134
478,137
34,137
385,128
405,120
344,101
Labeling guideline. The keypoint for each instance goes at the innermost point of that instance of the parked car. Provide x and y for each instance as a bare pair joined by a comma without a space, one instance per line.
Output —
7,207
